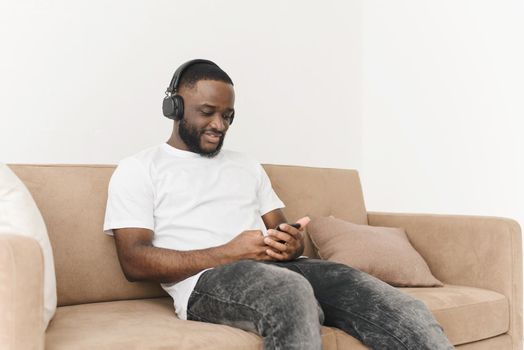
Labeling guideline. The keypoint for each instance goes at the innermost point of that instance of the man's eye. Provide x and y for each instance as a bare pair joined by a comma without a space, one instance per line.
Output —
206,113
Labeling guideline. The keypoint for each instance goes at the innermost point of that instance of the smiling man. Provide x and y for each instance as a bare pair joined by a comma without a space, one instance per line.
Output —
201,221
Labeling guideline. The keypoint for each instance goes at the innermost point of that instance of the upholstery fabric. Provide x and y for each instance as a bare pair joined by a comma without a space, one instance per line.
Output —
146,324
318,192
345,341
383,252
127,324
477,251
21,293
499,342
467,314
20,215
72,201
65,193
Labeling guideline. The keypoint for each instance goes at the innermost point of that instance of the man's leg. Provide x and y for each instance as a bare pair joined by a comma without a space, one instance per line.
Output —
276,303
372,311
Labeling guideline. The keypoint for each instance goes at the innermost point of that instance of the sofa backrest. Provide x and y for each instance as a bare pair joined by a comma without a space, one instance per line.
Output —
72,200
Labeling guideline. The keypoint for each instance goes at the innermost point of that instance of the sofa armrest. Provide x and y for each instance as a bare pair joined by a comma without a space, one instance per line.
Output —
21,293
476,251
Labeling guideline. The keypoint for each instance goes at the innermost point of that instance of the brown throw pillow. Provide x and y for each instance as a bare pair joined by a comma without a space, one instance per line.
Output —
384,252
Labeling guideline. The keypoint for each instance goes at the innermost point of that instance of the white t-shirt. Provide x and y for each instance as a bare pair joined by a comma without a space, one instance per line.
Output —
189,202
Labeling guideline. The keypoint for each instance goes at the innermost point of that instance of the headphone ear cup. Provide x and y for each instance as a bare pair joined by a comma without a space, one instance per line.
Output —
168,107
173,107
179,107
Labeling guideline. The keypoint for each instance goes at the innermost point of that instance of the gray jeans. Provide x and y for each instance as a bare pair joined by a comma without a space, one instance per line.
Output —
286,302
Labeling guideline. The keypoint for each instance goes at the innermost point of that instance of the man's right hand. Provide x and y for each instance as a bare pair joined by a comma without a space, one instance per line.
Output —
248,245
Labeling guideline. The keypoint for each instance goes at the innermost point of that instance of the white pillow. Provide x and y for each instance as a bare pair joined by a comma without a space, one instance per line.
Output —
20,215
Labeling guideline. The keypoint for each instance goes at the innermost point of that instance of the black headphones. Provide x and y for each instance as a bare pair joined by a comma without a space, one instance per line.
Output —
173,104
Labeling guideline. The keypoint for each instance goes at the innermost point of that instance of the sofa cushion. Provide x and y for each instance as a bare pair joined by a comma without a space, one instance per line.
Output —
384,252
318,191
467,314
72,199
152,323
146,324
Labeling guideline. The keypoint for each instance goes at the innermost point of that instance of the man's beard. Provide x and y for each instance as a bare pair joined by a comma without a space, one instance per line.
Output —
191,137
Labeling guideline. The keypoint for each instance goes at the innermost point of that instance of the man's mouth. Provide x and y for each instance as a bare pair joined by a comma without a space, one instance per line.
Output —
212,137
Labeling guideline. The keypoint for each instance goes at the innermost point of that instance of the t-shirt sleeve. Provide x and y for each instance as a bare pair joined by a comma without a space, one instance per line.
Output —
267,198
130,197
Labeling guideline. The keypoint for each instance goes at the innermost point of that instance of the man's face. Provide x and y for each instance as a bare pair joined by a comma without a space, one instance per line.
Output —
208,107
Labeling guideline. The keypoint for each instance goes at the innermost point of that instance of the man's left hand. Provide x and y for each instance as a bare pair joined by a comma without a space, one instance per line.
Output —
291,245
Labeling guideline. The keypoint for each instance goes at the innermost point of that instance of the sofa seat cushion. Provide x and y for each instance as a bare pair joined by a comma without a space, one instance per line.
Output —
467,314
146,324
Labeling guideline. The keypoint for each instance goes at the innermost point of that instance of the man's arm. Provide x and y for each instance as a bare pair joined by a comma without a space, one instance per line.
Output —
274,218
141,261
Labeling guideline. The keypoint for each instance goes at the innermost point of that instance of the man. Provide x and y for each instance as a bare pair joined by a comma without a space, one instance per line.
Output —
201,221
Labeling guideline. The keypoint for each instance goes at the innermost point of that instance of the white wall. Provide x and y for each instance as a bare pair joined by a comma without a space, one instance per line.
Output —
443,106
423,97
82,82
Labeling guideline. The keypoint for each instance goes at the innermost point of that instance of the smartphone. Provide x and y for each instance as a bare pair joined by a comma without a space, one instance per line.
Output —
295,225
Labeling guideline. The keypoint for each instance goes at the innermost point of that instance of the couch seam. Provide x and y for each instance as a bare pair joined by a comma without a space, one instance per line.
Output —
513,299
417,215
308,167
62,165
95,165
43,298
469,305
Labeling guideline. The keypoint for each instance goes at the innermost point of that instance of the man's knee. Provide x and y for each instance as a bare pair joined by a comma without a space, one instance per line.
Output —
285,283
280,288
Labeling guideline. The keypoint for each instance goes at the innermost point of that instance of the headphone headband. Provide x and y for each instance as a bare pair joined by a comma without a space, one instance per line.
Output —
173,86
173,104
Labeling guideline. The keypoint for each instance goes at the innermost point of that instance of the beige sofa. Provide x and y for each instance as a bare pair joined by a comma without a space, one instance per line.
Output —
478,258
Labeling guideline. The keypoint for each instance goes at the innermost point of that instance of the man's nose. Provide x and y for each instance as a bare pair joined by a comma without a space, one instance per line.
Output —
218,122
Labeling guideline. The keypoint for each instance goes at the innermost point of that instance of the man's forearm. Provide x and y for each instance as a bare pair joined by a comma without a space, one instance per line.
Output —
170,266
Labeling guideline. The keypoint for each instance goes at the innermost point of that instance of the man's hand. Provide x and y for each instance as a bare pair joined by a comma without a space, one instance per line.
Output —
291,244
248,245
